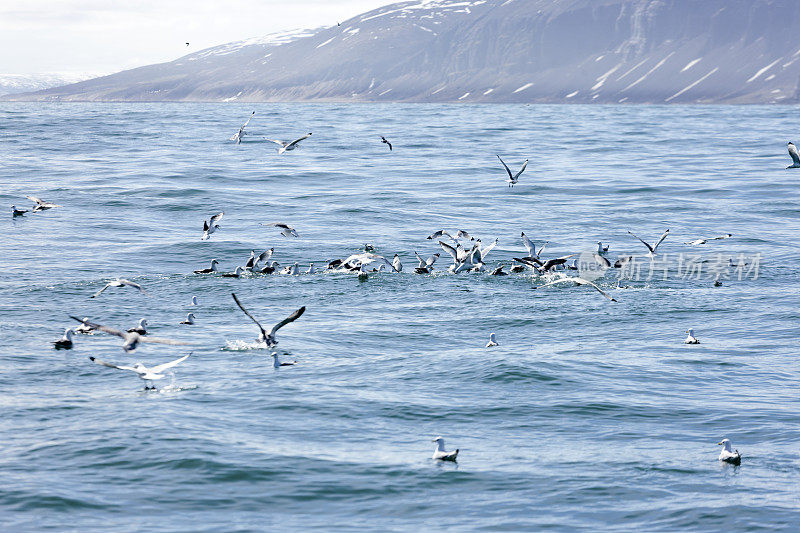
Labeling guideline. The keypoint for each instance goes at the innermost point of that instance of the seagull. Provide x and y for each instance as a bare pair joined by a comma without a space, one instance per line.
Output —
579,281
291,270
41,205
141,329
132,339
652,249
65,342
690,338
269,338
194,300
795,156
286,230
17,212
311,269
729,455
119,282
189,320
384,141
703,241
210,226
441,454
398,266
513,179
241,133
601,250
253,262
84,328
270,267
498,271
211,269
235,274
287,147
147,374
187,44
492,341
277,362
425,265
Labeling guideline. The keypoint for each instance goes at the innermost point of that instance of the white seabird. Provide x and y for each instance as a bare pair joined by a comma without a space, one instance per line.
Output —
120,282
311,269
132,339
795,156
276,362
652,249
252,263
210,226
194,300
697,242
65,342
41,205
292,270
210,270
690,338
237,273
269,338
17,212
579,281
141,328
441,454
286,230
189,319
513,179
492,341
398,266
85,329
728,454
287,147
241,133
146,374
601,250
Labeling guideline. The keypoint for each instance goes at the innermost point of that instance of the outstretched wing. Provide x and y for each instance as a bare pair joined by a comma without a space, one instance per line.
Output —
160,368
792,152
134,285
510,175
246,312
109,365
100,327
661,240
98,293
518,174
528,245
265,256
162,340
296,141
243,127
216,218
40,202
485,251
449,249
648,246
579,281
288,320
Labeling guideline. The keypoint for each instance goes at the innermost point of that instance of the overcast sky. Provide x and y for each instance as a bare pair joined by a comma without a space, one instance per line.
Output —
103,36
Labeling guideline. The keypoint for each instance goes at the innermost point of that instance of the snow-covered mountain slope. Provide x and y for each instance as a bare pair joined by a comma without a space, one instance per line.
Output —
609,51
22,83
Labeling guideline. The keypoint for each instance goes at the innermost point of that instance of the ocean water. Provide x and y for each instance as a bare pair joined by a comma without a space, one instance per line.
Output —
590,415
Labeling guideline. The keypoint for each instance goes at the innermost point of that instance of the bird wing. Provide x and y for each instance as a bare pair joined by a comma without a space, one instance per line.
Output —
602,260
579,281
294,142
235,136
528,245
390,145
40,202
485,251
205,226
248,122
431,260
664,236
162,340
436,235
98,293
288,320
510,175
721,237
160,368
532,262
792,152
648,246
542,248
518,174
100,327
421,260
464,235
246,312
449,249
279,143
134,285
265,256
216,218
109,365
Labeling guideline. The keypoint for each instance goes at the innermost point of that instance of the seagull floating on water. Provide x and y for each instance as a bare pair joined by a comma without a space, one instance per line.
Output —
384,141
276,362
84,328
241,133
252,263
311,269
795,156
652,249
287,147
441,454
703,241
189,319
269,338
690,338
602,250
210,226
41,205
729,455
120,282
131,339
209,270
146,374
513,179
579,281
65,342
237,273
492,341
141,329
17,212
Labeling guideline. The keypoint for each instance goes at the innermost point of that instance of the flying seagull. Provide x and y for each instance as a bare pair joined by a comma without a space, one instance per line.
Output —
652,249
241,133
286,230
132,339
579,281
147,374
269,338
17,212
287,147
703,241
441,454
729,455
212,268
65,342
211,225
120,282
513,179
41,205
384,141
795,156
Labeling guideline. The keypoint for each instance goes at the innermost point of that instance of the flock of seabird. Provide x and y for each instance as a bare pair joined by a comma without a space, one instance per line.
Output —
469,258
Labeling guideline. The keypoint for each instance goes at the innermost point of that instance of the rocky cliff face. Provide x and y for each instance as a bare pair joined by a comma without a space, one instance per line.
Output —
581,51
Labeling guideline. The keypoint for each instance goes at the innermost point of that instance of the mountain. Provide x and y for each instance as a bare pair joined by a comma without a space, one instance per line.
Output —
23,83
601,51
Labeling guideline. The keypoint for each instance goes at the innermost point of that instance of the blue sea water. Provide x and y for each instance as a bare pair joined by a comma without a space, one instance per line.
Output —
590,415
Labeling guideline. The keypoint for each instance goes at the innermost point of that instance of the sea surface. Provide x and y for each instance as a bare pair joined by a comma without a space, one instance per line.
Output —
590,415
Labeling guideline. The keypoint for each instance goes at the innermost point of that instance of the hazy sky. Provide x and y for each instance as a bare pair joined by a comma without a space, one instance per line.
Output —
101,36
